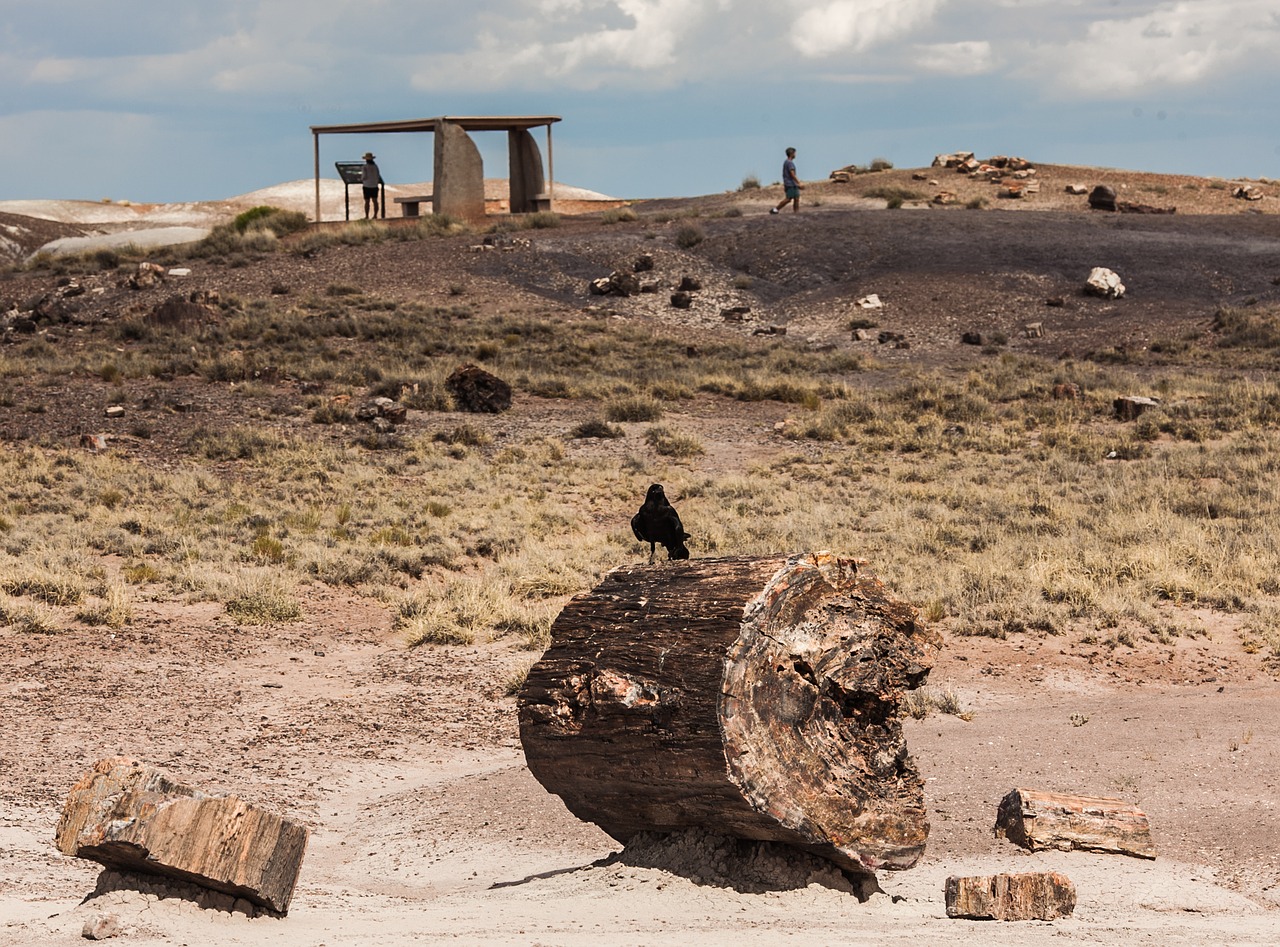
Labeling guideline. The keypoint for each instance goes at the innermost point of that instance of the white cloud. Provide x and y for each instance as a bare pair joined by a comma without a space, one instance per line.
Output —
1177,44
967,58
857,24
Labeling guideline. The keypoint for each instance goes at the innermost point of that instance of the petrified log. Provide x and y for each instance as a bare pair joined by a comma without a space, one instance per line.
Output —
1033,896
1040,820
756,697
478,391
130,816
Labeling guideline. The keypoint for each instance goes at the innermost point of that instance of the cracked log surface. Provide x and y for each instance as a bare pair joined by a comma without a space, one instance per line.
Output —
127,815
757,697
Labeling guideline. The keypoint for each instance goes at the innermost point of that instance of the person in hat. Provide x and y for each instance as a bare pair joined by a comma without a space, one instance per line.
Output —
370,179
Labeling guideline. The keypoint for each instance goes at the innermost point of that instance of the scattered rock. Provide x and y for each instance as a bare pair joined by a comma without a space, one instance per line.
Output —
886,337
1032,896
1247,192
1055,301
1076,189
617,283
735,313
870,302
1033,330
862,335
133,817
1129,407
644,263
770,330
180,271
100,927
945,198
384,410
93,442
1043,820
146,275
478,391
1102,197
1066,391
973,338
952,160
1103,282
681,299
114,411
690,284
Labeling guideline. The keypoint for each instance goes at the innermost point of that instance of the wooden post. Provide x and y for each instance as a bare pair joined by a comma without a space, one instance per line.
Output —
755,697
315,147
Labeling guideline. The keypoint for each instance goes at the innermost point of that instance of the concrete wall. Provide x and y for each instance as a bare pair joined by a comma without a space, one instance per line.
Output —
459,174
526,178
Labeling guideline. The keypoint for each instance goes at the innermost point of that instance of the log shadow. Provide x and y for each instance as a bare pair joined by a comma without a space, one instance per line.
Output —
746,866
111,881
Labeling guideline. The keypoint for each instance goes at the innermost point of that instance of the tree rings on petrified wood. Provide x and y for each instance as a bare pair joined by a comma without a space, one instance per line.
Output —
756,697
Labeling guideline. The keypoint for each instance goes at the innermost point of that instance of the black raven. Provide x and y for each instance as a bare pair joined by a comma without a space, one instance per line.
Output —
658,522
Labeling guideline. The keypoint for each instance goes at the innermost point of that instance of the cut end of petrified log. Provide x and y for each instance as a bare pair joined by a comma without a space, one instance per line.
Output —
756,697
1037,820
1031,896
133,817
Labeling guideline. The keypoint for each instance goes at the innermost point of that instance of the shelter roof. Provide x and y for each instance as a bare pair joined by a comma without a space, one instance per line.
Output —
471,123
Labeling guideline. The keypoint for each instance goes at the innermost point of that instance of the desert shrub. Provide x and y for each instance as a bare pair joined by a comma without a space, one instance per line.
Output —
466,434
893,195
261,600
880,164
750,183
541,220
280,222
634,408
596,427
689,236
1242,328
672,443
617,215
113,609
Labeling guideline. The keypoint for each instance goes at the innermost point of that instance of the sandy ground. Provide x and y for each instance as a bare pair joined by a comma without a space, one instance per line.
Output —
428,827
116,223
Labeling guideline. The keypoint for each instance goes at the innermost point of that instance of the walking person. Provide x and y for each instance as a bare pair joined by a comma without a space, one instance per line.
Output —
790,183
370,180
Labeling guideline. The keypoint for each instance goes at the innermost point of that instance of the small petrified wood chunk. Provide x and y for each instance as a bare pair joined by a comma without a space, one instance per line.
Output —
1040,820
130,816
1033,896
756,697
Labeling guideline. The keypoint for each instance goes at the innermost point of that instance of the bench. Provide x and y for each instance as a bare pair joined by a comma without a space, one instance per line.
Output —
411,204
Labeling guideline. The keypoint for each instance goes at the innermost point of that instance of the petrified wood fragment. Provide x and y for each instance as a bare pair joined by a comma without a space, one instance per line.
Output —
1039,820
757,697
130,816
1033,896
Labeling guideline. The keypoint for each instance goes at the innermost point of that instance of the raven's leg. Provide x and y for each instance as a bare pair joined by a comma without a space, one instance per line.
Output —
653,552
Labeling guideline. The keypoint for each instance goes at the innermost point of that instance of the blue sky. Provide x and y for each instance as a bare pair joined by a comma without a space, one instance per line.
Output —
207,99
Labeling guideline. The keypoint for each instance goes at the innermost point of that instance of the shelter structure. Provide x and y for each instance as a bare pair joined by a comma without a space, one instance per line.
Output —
458,171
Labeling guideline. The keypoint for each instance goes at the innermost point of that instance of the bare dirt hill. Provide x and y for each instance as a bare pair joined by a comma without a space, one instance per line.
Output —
405,761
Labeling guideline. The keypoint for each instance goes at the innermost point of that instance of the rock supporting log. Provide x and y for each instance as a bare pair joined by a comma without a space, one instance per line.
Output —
1040,820
1033,896
130,816
754,697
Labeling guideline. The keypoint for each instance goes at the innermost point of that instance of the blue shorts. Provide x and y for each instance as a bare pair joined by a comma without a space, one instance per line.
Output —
793,193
